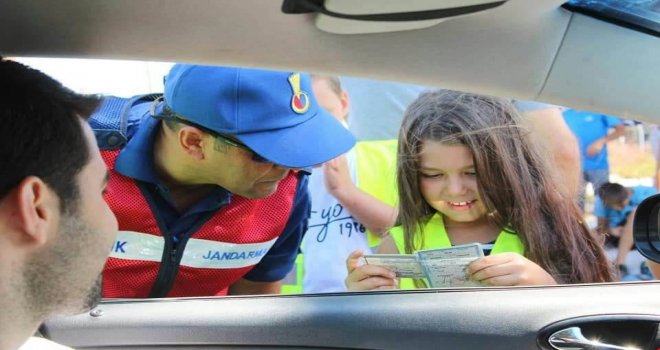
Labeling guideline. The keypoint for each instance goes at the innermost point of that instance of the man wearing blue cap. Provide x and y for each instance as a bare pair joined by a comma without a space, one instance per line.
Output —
207,183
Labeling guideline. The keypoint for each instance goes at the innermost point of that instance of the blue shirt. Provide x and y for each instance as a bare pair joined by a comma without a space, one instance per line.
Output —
618,217
136,161
589,127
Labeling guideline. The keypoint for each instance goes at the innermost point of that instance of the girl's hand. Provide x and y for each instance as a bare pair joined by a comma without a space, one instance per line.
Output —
367,277
508,269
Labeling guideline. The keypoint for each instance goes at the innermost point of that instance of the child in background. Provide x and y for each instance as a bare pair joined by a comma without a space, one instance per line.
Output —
353,199
468,172
615,208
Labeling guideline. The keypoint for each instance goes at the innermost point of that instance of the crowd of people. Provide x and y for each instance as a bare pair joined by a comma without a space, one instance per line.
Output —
240,181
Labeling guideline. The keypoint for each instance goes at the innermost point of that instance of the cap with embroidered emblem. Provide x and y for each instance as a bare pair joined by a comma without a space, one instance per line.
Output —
272,112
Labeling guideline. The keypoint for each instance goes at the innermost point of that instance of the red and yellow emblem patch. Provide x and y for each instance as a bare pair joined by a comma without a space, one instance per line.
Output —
300,100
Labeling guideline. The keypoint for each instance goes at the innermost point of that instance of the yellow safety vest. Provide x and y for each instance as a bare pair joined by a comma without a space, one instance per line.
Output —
435,236
376,175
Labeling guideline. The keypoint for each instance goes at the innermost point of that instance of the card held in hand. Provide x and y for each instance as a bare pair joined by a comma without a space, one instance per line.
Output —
443,267
404,265
447,267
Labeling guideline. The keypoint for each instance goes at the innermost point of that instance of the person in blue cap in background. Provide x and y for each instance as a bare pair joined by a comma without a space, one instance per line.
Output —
209,188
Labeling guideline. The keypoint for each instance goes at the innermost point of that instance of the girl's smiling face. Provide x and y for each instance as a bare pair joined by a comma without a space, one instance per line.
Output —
448,181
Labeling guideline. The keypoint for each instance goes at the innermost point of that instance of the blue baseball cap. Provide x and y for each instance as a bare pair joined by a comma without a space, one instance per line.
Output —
274,113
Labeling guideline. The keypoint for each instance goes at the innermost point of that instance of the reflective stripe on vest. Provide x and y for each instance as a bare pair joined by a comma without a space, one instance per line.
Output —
435,236
199,253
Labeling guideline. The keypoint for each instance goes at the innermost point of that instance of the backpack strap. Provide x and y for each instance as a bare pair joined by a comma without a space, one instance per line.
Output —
110,121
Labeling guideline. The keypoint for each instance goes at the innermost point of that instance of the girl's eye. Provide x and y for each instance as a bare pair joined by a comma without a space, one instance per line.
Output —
471,173
430,176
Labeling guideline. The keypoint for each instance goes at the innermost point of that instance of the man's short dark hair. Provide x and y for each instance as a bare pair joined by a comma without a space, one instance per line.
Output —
40,132
612,193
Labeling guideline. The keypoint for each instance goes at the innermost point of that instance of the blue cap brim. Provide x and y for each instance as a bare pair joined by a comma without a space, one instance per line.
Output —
315,141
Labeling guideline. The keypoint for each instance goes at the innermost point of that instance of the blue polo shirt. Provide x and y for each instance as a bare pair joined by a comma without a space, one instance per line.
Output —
618,217
136,161
589,127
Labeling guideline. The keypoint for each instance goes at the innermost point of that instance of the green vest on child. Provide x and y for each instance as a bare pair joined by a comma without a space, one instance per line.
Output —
435,236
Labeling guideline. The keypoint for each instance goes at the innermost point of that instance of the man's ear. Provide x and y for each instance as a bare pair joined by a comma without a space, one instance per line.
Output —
34,210
191,140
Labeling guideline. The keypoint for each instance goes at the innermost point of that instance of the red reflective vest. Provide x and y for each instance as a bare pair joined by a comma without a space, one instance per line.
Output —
144,262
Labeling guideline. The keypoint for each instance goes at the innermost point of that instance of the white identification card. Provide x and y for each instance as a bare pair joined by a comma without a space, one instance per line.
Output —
447,267
404,265
444,267
472,250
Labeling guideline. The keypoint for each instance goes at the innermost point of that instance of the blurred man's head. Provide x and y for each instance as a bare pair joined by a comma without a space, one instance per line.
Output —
331,96
55,228
614,195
